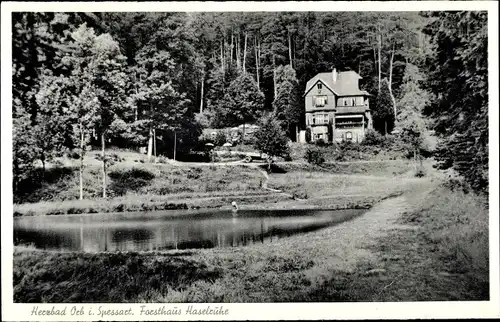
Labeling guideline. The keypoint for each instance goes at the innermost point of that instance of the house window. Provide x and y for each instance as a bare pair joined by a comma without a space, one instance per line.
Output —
345,102
313,119
320,101
320,119
320,86
325,119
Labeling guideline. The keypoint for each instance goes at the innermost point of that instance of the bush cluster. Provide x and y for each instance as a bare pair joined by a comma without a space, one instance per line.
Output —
315,156
373,138
124,180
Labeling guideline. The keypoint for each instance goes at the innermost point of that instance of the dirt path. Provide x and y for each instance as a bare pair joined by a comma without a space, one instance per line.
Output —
297,266
340,247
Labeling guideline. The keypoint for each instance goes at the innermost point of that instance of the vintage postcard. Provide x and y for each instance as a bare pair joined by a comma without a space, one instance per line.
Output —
249,160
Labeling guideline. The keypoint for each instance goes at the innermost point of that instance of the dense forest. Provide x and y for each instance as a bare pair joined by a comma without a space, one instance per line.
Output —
157,79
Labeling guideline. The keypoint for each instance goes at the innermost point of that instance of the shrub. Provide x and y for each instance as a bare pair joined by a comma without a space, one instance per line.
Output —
300,195
73,154
220,139
373,137
320,142
111,158
39,185
420,172
194,173
161,159
129,180
315,156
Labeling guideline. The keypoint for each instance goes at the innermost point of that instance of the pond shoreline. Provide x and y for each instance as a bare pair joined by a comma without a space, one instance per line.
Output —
351,261
163,232
281,201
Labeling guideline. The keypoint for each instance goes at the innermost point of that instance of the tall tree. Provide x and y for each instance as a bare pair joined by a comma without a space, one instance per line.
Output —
383,113
412,103
162,107
108,80
52,119
286,105
271,139
458,77
243,101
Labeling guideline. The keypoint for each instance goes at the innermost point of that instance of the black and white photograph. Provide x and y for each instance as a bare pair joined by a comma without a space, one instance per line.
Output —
204,157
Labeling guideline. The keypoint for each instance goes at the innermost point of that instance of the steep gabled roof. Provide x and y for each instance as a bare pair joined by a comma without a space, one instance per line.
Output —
346,84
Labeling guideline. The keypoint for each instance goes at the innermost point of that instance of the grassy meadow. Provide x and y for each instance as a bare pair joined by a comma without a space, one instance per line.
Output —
135,185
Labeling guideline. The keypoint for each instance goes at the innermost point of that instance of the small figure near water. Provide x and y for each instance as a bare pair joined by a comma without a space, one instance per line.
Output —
235,207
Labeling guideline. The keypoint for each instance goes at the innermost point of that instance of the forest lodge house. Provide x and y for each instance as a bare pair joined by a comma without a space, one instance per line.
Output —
336,109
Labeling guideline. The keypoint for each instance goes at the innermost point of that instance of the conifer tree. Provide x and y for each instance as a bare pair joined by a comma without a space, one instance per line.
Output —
286,105
383,114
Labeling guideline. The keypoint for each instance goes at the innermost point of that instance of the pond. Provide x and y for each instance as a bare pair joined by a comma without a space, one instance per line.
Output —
166,230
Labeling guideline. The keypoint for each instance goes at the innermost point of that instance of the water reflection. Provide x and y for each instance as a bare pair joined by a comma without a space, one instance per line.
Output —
170,230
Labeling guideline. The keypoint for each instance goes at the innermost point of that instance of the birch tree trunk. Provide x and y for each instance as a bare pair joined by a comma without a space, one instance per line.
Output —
415,158
154,142
136,108
238,52
232,46
103,155
222,60
290,48
175,145
245,52
390,86
202,91
42,158
379,44
256,61
375,57
294,51
274,77
82,153
150,143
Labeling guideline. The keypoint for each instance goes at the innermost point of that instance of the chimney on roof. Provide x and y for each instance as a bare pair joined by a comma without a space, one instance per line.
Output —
334,75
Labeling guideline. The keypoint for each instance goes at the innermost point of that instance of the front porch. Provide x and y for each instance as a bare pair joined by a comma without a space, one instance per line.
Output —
342,128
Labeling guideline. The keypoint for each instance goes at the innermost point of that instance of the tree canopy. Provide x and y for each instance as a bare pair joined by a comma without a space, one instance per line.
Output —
458,77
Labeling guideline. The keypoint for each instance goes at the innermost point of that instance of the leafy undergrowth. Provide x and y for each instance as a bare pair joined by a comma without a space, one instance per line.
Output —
348,152
105,277
380,168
